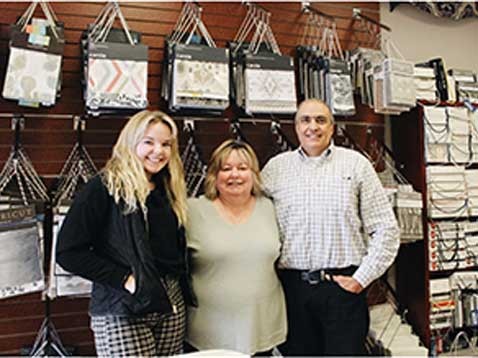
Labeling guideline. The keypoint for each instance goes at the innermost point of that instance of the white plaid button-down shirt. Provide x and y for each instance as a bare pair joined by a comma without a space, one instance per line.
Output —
332,212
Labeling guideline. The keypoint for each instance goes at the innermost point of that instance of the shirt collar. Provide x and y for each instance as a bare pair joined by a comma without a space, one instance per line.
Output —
327,154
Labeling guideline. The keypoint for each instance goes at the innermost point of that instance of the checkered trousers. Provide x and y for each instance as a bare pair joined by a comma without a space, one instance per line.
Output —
154,334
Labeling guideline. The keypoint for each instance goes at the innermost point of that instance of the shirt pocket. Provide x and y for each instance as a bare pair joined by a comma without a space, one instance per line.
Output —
340,193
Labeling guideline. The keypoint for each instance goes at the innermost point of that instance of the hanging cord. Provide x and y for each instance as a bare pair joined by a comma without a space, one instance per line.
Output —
236,131
194,167
78,168
283,143
455,344
19,169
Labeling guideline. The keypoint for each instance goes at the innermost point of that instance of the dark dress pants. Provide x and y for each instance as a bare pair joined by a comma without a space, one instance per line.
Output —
323,318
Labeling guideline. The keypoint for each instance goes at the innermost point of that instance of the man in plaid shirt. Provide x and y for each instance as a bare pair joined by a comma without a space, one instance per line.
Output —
339,234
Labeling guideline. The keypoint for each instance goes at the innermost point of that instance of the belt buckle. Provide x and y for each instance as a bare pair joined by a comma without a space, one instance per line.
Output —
309,277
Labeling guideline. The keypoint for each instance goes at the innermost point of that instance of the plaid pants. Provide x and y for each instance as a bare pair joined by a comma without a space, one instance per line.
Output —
154,334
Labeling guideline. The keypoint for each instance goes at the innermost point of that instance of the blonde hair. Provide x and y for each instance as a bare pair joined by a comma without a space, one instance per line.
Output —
220,155
124,174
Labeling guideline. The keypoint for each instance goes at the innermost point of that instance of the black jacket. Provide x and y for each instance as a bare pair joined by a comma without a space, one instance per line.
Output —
99,242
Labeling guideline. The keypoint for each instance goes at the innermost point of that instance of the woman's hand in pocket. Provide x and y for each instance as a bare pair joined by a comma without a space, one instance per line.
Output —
130,284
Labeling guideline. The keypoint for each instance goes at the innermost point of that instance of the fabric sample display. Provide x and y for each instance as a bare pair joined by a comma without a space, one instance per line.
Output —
459,126
20,257
425,83
117,76
447,197
200,77
436,152
269,84
452,245
398,83
269,91
474,135
32,76
62,282
375,93
437,134
471,176
340,93
409,213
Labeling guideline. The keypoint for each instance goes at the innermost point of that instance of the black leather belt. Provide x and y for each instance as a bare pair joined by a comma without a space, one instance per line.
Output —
315,277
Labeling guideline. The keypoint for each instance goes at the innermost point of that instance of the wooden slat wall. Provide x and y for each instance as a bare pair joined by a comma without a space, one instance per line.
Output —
49,140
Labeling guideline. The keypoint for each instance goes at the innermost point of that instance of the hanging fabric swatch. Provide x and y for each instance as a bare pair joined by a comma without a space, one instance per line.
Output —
323,71
195,71
21,254
61,282
34,63
116,72
200,77
263,80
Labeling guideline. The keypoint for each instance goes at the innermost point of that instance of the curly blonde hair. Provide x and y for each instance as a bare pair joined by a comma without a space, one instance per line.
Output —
124,174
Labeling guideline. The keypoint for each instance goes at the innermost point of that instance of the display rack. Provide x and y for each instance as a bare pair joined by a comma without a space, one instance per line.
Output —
413,262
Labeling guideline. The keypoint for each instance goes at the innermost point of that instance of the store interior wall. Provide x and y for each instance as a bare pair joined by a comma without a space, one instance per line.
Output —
421,36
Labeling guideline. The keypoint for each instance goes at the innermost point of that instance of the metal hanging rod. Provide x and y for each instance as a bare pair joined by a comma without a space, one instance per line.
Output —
308,8
357,14
39,115
338,122
250,3
62,116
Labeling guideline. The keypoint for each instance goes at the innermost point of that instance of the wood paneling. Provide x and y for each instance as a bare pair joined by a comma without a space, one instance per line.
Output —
48,140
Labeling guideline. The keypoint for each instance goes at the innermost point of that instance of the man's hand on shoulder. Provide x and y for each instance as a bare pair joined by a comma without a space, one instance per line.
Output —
348,283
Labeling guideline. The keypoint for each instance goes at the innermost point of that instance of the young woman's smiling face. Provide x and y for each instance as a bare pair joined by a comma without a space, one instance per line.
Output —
154,149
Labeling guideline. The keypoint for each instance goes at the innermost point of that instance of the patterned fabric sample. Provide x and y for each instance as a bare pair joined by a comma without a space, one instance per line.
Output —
201,80
399,89
117,83
270,91
340,93
324,205
449,9
32,76
20,261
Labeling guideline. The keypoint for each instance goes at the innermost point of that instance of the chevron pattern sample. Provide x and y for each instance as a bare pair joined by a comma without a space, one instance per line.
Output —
117,83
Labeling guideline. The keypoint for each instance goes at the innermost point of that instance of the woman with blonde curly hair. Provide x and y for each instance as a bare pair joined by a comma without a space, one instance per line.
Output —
125,233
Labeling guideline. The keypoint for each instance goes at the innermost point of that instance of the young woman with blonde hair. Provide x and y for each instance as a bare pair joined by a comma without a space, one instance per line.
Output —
124,231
